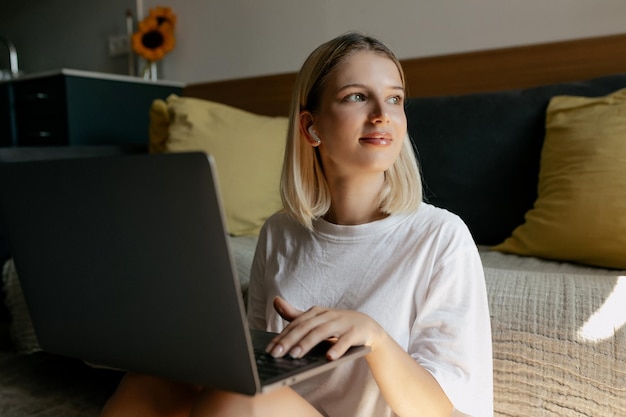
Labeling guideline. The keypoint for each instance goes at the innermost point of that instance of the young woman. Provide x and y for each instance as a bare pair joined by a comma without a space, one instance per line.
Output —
358,257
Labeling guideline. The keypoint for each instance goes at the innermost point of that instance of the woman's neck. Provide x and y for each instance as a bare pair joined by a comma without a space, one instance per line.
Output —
355,201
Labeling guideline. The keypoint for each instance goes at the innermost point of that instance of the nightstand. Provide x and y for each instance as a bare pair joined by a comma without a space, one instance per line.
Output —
70,107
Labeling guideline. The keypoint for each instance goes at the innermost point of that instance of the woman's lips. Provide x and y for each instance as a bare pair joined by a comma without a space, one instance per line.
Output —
377,138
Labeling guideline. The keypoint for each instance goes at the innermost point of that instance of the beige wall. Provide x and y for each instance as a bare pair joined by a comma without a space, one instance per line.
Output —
238,38
223,39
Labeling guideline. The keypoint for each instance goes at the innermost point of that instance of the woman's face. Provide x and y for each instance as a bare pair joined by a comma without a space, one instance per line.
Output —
361,120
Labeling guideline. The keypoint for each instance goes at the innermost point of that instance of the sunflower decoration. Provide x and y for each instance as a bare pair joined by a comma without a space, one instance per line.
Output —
155,35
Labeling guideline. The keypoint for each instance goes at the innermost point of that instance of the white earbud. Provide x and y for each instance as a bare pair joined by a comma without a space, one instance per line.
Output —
314,135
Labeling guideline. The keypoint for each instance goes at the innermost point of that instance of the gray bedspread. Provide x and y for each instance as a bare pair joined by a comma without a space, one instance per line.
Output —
559,341
559,337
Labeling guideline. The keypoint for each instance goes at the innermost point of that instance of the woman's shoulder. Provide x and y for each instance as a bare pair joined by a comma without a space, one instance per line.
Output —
438,223
436,216
280,218
281,222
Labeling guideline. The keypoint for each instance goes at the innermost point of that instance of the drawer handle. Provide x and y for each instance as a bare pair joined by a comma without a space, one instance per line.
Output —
44,134
39,96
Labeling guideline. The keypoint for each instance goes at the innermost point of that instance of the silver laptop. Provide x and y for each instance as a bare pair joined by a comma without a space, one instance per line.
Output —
125,262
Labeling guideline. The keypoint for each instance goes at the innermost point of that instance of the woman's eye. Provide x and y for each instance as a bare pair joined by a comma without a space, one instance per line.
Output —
395,100
355,97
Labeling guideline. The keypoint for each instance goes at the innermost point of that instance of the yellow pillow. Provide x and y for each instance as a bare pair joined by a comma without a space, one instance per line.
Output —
580,212
248,151
159,126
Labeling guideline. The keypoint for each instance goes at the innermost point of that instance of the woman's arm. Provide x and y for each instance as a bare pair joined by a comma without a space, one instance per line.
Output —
408,388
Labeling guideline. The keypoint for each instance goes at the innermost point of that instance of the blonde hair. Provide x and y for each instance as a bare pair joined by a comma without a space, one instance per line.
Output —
304,190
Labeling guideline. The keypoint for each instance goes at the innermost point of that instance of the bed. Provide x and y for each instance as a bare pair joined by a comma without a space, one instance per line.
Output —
44,385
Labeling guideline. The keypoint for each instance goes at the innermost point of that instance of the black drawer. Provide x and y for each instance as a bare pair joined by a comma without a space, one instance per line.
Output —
40,97
41,131
7,119
73,108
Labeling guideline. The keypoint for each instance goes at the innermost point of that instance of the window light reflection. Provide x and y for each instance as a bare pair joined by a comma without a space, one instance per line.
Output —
609,318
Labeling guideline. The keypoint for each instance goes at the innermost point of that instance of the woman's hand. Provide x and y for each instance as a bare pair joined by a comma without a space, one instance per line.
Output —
408,388
308,328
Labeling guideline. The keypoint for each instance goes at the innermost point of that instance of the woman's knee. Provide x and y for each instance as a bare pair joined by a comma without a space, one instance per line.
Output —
218,403
283,402
139,394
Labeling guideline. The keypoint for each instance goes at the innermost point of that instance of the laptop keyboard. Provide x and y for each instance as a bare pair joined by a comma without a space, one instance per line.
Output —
270,367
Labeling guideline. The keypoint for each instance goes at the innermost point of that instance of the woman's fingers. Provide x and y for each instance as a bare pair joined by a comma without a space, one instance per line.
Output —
307,329
294,332
286,310
341,346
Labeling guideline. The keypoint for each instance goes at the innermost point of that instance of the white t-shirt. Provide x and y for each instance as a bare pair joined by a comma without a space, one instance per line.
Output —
417,275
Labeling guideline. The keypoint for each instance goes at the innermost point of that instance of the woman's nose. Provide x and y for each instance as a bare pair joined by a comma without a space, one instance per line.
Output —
378,113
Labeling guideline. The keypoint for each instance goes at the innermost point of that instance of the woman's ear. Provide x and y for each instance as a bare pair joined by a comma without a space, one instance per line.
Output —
308,129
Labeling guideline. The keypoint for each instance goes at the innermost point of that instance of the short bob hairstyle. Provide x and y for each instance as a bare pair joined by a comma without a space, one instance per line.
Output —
304,190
